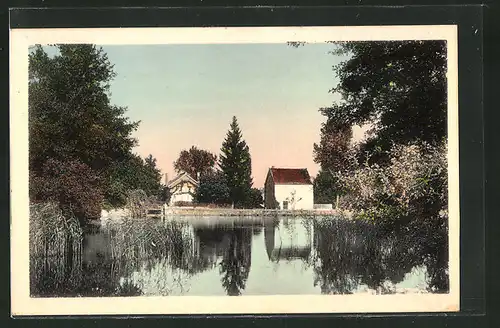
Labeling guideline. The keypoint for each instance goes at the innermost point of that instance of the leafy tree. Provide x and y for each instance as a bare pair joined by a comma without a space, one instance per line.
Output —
236,164
399,87
133,174
255,199
326,188
71,120
195,161
213,188
70,115
396,87
333,150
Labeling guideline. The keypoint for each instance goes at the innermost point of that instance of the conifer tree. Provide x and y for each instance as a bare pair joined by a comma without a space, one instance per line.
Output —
236,164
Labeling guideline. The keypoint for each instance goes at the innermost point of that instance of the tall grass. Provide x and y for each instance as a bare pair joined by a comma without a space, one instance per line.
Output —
55,248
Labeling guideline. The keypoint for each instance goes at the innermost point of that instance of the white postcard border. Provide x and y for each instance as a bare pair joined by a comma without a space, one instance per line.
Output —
22,304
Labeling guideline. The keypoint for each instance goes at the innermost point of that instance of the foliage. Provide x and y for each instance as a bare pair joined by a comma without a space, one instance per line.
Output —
70,114
293,200
236,164
73,124
255,199
195,162
165,194
125,248
413,184
137,201
51,233
131,174
399,87
327,187
71,184
213,188
334,148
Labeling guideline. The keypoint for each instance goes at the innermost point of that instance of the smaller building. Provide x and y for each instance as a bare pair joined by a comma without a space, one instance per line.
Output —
288,188
182,188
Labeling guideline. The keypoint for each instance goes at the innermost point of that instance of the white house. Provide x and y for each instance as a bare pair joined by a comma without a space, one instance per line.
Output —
182,188
287,188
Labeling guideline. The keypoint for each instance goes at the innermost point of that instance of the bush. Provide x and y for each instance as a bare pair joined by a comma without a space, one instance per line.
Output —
71,184
413,184
213,188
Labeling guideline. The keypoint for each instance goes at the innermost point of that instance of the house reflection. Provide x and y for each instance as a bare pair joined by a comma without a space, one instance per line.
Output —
288,239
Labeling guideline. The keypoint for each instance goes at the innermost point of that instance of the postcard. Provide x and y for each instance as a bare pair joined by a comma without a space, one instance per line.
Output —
242,170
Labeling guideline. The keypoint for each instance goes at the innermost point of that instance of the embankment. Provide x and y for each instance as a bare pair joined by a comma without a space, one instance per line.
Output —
218,212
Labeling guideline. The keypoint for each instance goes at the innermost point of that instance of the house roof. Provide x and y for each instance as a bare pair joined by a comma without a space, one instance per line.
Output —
290,176
184,176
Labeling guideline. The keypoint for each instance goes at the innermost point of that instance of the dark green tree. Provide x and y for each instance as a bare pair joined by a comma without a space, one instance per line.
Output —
70,114
71,120
236,164
132,174
255,199
398,87
326,188
213,188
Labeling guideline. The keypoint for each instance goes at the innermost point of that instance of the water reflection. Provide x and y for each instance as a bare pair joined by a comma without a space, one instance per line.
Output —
223,256
288,239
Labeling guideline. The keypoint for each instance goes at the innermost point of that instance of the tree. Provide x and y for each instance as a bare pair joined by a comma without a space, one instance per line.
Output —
134,173
212,188
399,87
332,152
73,123
236,164
152,177
396,87
71,184
326,188
70,115
195,162
254,199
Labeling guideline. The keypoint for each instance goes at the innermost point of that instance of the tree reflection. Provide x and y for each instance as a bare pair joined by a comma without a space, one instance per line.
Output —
350,254
235,264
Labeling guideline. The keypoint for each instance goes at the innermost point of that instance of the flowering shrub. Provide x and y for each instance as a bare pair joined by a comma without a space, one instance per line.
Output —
414,183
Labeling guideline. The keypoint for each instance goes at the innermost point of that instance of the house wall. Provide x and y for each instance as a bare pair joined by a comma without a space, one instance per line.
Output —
302,192
182,192
269,193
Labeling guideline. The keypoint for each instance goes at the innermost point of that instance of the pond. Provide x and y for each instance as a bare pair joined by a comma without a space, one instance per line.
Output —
238,256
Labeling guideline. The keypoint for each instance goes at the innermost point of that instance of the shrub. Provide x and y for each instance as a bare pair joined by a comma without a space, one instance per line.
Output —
71,184
413,184
213,188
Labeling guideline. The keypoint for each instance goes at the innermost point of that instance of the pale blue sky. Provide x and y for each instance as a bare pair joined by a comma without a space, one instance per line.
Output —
187,94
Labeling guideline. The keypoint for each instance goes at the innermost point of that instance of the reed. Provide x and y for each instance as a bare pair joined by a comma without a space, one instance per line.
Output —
55,243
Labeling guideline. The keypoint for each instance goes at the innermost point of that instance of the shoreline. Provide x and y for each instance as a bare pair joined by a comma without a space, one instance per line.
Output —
211,212
204,212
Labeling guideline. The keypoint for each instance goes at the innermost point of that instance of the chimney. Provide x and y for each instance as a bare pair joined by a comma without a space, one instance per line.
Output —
166,178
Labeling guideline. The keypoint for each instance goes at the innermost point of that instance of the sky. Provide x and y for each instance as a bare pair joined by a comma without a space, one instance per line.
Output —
186,95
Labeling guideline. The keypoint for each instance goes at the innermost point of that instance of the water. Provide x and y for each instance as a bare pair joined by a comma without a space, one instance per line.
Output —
251,256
